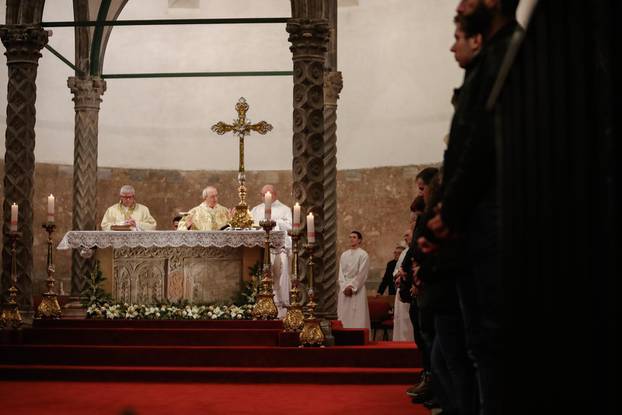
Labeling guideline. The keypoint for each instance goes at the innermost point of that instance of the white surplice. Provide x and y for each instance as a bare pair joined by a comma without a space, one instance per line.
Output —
282,215
402,326
353,311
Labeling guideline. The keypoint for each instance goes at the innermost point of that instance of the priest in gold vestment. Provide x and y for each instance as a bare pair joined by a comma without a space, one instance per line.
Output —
208,216
128,212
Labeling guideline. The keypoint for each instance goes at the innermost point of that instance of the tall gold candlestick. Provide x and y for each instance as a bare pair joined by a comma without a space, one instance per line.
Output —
294,319
311,334
265,309
49,307
11,317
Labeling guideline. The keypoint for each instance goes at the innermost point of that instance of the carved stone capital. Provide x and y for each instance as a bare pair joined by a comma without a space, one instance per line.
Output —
309,38
87,92
23,43
333,84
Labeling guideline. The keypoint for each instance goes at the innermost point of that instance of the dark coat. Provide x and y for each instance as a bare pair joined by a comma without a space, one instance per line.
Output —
469,163
387,280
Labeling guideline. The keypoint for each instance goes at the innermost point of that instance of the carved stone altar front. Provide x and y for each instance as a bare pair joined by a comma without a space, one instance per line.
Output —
157,266
197,274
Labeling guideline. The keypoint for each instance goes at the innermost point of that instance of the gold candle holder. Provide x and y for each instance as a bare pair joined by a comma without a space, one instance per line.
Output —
265,309
241,217
294,319
49,307
11,317
311,334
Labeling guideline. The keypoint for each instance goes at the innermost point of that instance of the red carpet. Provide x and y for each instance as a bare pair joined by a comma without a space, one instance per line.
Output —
203,332
70,398
199,367
197,351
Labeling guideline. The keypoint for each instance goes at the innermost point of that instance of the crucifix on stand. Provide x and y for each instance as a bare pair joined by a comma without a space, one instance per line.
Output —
241,127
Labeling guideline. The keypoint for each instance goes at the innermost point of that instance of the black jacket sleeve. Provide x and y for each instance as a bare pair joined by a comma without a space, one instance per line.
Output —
387,280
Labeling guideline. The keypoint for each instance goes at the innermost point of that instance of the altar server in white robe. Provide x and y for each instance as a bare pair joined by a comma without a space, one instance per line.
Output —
352,307
128,212
282,215
402,326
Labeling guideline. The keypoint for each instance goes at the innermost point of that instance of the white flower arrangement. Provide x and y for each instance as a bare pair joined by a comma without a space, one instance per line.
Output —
169,312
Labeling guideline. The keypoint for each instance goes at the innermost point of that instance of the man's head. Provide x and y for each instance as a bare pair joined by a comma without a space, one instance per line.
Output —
397,252
467,43
481,13
126,195
268,188
356,238
424,178
210,195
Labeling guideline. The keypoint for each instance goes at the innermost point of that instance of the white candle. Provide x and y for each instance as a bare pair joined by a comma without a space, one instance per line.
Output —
310,229
267,200
296,224
13,227
51,208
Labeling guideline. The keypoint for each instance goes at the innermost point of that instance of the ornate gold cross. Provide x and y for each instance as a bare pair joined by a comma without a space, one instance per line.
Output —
241,127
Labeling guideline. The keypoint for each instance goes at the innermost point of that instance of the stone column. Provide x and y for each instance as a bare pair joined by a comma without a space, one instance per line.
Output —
87,99
23,45
333,83
309,38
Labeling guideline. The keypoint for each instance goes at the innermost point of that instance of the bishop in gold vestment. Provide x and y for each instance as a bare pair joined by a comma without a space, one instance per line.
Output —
208,216
128,212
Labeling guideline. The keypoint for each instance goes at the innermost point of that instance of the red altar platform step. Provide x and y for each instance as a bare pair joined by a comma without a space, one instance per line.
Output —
202,351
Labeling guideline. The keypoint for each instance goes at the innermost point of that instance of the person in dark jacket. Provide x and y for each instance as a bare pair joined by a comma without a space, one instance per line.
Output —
469,205
437,274
387,279
442,326
422,391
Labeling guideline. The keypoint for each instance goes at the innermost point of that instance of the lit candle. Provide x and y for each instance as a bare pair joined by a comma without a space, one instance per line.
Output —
310,229
13,227
296,224
51,208
267,200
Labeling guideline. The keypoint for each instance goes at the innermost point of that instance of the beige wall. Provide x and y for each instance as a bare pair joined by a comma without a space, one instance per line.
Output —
394,54
374,201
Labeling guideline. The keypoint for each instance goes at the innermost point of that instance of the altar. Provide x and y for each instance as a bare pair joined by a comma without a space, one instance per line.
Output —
158,266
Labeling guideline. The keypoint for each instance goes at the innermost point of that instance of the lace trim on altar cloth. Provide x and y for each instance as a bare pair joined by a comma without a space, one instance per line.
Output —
161,239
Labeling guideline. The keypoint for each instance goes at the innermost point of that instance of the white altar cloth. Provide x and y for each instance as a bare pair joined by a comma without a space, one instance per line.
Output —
160,239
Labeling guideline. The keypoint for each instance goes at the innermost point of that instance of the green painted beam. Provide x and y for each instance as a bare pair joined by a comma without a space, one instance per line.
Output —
194,74
62,58
98,36
162,22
